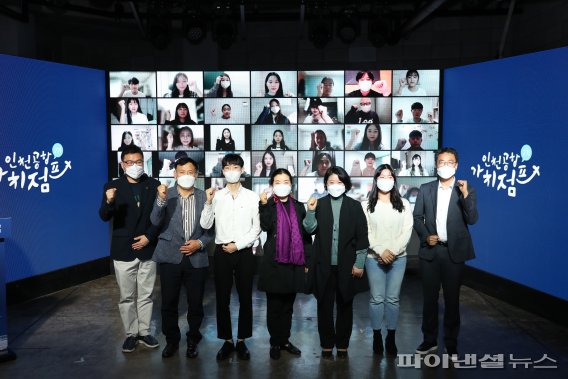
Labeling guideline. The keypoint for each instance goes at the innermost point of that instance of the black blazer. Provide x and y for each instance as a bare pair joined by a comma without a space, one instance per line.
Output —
461,212
129,220
353,236
280,277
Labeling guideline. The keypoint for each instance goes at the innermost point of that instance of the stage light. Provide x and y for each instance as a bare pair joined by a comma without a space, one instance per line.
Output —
348,25
195,28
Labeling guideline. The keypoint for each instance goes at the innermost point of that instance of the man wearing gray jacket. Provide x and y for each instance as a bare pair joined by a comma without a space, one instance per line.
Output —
181,253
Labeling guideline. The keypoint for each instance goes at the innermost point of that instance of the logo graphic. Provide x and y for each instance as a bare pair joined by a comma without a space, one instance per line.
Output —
506,171
34,170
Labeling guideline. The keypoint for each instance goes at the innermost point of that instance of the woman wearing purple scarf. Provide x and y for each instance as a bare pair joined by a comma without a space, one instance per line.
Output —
284,265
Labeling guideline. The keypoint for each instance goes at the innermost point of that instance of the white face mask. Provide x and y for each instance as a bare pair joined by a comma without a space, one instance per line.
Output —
186,181
225,83
385,185
282,190
365,108
336,190
446,172
232,176
365,85
275,109
134,171
412,199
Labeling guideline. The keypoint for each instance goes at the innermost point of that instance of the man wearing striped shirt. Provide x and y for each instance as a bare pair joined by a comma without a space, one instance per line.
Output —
182,255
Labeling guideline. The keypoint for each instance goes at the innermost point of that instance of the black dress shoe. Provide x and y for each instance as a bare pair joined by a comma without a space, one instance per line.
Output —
291,349
275,352
327,354
242,351
191,350
342,354
225,351
170,350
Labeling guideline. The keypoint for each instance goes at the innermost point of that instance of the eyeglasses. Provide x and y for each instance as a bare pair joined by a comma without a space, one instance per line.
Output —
446,163
132,163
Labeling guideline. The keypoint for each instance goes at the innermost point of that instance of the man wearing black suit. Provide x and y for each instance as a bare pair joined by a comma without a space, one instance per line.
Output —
442,212
128,201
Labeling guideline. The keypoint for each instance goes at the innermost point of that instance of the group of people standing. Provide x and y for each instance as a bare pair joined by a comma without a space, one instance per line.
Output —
333,247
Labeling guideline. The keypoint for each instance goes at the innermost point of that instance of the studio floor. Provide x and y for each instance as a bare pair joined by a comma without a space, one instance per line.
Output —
77,333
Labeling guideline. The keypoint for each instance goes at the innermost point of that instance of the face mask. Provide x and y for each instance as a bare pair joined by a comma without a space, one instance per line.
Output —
385,185
446,172
282,190
186,181
225,83
365,85
275,109
232,176
336,190
134,171
365,108
412,199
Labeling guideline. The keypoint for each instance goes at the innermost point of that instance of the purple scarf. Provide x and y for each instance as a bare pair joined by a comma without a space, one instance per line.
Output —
289,244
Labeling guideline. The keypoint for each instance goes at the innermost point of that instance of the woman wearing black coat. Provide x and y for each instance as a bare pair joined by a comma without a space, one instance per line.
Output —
283,269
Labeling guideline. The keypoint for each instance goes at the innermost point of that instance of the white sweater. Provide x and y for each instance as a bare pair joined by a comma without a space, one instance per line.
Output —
389,228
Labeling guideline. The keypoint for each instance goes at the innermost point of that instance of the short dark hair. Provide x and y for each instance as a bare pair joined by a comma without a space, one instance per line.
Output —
327,78
134,80
131,149
361,73
416,105
223,106
410,72
341,174
449,150
232,158
185,160
280,171
370,155
415,133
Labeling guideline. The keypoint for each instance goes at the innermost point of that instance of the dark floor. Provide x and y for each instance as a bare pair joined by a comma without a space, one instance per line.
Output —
77,333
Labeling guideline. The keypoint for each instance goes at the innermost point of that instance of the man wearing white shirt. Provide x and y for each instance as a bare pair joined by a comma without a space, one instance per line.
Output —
234,209
442,212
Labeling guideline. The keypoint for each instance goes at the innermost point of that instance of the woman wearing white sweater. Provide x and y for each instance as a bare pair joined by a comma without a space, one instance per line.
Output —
389,219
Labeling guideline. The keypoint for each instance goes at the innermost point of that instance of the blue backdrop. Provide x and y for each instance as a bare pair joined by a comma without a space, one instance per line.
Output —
501,116
53,164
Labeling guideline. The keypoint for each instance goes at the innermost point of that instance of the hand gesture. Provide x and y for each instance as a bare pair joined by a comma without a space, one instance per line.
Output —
379,85
218,80
213,112
230,247
357,272
141,241
312,203
125,86
430,117
162,190
210,193
398,115
323,110
190,247
259,166
462,185
356,162
122,104
110,195
263,197
355,132
307,162
432,240
387,257
170,138
400,143
403,189
192,84
402,82
320,89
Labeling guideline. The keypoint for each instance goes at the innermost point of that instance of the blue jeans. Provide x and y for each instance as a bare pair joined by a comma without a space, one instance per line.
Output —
384,282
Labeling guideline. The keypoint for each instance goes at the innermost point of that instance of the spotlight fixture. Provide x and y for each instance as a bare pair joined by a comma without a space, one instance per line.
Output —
348,25
224,33
320,32
195,28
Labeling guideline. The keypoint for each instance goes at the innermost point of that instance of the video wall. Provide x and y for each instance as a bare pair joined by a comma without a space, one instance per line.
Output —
304,121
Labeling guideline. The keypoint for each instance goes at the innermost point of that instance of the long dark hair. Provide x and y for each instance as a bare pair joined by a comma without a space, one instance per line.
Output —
175,90
188,120
280,118
122,144
419,166
395,197
280,92
264,168
128,115
177,139
368,145
228,90
282,143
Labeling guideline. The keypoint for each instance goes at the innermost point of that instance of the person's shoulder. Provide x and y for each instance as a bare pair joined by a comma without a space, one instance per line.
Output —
151,181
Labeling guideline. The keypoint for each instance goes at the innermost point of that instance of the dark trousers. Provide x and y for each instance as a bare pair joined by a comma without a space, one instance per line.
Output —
339,334
441,271
172,278
239,264
279,309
